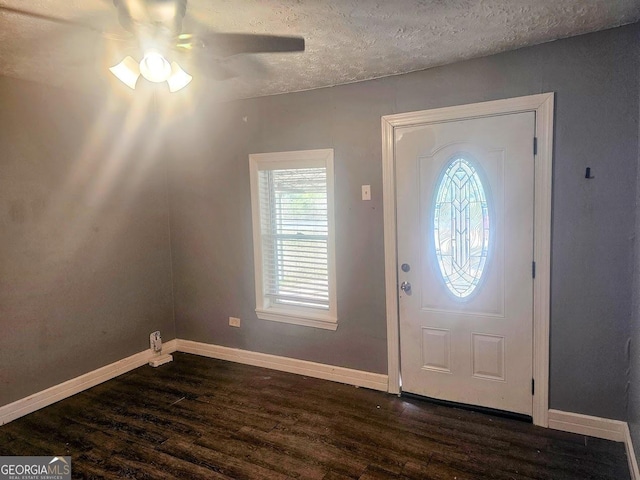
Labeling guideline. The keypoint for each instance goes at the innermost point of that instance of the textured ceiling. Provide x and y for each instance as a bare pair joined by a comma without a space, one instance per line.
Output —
346,40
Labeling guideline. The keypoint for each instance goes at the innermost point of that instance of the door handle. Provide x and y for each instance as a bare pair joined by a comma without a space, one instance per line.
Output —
406,287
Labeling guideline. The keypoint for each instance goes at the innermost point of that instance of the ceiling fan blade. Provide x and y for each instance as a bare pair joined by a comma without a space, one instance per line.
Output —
49,18
196,64
220,73
229,44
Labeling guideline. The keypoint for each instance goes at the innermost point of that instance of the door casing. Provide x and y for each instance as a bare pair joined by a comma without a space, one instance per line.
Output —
542,105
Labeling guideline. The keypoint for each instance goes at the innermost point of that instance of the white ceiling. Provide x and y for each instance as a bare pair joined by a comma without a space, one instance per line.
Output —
346,40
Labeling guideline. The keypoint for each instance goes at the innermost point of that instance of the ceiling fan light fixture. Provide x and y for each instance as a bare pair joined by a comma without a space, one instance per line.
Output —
127,71
154,67
178,79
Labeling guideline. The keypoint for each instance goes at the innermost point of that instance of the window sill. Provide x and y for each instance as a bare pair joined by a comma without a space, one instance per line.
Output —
325,322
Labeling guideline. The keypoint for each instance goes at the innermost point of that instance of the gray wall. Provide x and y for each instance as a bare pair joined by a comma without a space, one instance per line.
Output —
85,257
633,408
84,240
595,78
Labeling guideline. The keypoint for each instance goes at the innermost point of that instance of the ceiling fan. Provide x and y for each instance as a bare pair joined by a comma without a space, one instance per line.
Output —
153,38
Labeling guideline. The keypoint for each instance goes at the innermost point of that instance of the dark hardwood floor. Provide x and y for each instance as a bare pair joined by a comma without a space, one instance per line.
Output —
208,419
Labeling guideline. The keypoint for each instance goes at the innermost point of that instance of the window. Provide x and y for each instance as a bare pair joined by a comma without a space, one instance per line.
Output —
461,227
293,238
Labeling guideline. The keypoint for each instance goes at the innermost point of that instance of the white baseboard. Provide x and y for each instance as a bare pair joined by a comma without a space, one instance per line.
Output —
39,400
375,381
59,392
587,425
615,430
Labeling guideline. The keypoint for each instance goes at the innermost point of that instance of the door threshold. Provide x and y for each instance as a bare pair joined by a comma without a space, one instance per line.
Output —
473,408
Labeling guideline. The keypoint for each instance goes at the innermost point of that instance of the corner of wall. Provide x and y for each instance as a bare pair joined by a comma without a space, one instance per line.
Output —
633,346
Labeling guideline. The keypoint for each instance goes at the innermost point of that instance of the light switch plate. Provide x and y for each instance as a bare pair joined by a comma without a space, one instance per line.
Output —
366,192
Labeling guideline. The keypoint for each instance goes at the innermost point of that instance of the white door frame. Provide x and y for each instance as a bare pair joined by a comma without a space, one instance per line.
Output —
542,105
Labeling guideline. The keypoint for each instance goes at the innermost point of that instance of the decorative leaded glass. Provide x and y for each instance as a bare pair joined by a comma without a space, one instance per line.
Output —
461,227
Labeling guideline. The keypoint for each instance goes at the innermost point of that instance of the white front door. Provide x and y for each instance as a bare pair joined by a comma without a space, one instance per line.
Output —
465,198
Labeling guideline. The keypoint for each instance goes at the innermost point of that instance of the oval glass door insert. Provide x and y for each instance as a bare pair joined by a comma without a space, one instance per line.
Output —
461,226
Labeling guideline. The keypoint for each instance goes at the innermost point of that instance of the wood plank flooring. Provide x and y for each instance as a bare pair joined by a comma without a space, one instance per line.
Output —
198,418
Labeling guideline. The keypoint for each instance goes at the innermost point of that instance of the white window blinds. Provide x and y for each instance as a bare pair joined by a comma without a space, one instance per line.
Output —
292,209
294,235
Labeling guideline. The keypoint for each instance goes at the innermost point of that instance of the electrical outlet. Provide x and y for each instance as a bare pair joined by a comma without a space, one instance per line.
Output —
155,341
234,322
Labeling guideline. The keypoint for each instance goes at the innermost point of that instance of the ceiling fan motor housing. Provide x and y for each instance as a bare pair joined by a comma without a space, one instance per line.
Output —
159,13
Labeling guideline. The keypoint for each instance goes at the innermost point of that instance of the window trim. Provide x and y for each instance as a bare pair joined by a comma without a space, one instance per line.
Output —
265,310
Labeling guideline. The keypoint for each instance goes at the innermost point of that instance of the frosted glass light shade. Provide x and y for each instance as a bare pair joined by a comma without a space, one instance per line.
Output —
154,67
127,71
178,79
